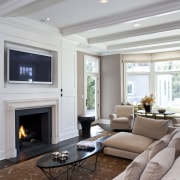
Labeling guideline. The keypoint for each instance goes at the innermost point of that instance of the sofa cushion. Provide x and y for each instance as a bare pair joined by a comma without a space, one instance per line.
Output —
159,164
121,119
128,141
135,169
151,128
173,172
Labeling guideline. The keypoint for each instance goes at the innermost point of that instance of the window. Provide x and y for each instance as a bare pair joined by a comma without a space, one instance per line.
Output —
138,79
168,83
159,78
130,88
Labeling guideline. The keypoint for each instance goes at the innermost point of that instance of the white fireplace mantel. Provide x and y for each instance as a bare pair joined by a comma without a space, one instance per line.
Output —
13,105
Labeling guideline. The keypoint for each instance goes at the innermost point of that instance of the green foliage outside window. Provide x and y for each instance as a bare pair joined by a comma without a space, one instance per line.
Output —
90,93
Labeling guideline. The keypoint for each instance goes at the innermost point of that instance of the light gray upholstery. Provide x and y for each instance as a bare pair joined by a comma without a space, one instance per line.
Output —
176,122
128,145
122,118
163,165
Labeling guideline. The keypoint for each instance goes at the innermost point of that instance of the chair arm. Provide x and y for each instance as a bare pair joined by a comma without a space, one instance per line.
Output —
131,117
112,116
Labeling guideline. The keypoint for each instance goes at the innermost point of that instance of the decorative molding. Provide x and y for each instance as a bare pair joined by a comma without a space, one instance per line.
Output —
11,5
160,8
137,32
33,7
30,25
149,42
151,49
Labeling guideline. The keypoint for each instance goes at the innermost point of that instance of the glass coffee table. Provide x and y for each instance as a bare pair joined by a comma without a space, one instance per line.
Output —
154,114
75,159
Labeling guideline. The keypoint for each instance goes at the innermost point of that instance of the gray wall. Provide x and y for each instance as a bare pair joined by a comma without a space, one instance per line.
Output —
110,84
80,82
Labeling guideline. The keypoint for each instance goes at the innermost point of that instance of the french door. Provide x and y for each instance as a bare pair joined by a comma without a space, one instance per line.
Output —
91,86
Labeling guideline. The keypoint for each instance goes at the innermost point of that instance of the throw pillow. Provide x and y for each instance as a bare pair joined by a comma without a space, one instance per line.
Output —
159,164
173,173
176,144
135,169
157,148
160,144
148,127
175,131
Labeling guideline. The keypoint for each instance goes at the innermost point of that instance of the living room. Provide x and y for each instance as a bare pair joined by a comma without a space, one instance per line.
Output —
28,35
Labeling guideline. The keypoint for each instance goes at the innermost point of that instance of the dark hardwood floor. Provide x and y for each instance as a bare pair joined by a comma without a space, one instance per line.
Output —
95,130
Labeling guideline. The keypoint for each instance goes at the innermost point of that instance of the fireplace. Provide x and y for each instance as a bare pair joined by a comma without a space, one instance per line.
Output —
33,128
19,109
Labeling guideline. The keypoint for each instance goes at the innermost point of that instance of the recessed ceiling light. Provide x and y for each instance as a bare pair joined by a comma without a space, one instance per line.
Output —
136,25
103,1
46,19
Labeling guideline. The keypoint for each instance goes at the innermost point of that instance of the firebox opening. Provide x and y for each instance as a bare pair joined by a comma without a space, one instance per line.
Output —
33,129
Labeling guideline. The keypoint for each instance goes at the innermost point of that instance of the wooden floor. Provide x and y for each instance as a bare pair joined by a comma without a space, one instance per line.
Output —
95,130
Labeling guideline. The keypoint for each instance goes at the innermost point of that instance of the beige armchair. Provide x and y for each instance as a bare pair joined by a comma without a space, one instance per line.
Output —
122,118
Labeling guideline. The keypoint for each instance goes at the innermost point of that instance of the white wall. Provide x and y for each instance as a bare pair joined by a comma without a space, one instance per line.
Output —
15,32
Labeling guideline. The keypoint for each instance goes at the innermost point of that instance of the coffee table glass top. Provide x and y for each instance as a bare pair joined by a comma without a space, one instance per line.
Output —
75,155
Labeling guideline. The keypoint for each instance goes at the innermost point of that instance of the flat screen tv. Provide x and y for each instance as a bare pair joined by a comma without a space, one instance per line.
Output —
29,67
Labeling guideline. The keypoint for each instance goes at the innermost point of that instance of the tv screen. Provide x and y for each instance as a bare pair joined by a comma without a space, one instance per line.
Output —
27,67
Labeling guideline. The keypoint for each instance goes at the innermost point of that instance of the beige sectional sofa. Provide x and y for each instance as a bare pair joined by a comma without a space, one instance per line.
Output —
154,148
145,132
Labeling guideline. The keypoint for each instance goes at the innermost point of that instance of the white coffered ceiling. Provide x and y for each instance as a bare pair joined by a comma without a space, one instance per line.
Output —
119,26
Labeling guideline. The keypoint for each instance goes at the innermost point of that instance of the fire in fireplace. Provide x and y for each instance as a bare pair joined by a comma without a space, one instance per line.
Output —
33,128
22,133
27,137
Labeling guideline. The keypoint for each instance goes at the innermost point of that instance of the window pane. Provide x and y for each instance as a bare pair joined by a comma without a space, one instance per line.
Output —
92,66
130,88
167,66
140,87
138,67
168,89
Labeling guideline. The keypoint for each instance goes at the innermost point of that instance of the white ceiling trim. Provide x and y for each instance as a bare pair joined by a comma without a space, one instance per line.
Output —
136,32
33,7
31,25
151,49
11,5
153,10
145,42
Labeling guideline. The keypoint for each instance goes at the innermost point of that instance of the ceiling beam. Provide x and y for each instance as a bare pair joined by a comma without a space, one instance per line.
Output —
155,9
149,49
170,39
137,32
